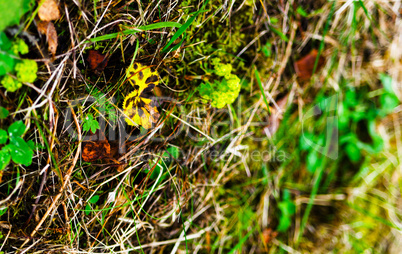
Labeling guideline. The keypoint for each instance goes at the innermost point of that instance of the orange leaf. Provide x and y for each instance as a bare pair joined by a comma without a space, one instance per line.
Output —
97,150
304,67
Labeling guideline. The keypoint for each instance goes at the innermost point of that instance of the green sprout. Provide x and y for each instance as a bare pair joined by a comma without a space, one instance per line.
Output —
17,149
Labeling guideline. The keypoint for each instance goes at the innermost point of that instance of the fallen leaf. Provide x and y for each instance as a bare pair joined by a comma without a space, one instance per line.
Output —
304,67
268,235
97,61
95,150
47,28
48,10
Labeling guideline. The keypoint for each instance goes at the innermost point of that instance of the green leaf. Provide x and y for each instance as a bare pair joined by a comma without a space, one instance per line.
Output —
87,209
6,63
31,144
11,12
353,152
90,124
266,49
3,136
313,161
388,102
3,113
5,43
4,158
3,210
173,151
386,81
287,209
278,32
16,129
20,152
304,146
302,12
351,98
94,199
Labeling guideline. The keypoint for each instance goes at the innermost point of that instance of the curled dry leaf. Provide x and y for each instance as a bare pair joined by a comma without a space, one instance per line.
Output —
47,28
95,150
305,66
48,10
97,61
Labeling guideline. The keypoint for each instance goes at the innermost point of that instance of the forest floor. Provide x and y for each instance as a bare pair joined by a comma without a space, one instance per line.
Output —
248,126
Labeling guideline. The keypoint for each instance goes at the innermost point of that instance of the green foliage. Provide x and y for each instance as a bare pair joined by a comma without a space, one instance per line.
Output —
3,113
287,209
172,153
11,84
90,124
12,11
26,70
104,105
388,99
93,200
17,149
223,91
19,46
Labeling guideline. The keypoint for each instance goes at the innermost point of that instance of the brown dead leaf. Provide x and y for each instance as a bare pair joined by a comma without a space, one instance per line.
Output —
48,10
47,28
304,67
97,61
95,150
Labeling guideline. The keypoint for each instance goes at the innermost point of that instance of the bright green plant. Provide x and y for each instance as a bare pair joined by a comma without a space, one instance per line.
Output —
224,89
90,124
287,209
12,11
104,105
93,201
17,149
24,70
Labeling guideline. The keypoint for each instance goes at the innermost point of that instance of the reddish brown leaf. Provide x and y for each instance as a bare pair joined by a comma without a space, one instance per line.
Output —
97,61
304,67
95,150
48,10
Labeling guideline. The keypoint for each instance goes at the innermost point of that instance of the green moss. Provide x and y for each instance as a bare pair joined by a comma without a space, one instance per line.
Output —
224,91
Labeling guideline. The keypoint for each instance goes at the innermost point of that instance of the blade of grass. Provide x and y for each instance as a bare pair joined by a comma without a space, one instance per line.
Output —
279,33
137,30
257,76
183,28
